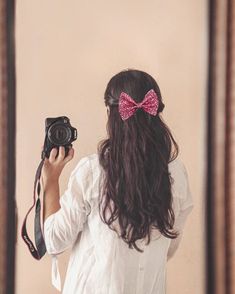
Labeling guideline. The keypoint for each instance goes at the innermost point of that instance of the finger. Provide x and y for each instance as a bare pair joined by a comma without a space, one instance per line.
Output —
45,163
69,156
61,153
46,160
53,154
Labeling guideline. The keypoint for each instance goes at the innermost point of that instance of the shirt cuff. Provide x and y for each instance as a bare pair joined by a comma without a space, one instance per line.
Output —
55,273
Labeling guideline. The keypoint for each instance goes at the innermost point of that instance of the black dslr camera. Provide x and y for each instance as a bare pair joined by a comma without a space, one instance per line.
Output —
59,132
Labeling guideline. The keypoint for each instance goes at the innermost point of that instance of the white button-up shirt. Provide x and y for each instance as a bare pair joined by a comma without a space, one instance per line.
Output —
100,261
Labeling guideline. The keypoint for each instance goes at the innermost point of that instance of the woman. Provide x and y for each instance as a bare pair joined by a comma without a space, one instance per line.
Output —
125,207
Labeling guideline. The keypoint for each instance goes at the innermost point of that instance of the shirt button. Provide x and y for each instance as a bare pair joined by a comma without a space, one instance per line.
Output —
141,268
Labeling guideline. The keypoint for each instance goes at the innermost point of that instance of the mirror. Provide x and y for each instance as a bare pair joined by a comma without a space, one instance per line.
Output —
66,54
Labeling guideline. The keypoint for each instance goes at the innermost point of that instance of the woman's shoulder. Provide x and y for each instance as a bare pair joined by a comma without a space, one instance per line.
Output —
90,157
83,168
179,173
88,165
87,160
177,167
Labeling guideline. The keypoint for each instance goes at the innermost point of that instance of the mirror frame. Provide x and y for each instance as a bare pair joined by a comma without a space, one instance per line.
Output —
7,150
220,182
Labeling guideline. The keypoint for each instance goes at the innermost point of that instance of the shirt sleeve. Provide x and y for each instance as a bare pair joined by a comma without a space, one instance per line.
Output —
61,228
186,205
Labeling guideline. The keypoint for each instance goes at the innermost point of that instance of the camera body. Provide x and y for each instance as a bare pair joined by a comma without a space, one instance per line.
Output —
59,132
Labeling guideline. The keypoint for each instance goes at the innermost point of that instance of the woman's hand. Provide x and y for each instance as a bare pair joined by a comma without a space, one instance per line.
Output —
52,166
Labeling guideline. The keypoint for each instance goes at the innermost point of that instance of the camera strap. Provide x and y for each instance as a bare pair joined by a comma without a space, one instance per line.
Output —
40,249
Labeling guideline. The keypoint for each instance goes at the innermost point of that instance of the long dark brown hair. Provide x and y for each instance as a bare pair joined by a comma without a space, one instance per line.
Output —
135,159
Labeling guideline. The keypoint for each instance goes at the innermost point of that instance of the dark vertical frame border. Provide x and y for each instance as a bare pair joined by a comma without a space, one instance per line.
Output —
11,146
210,265
220,210
230,149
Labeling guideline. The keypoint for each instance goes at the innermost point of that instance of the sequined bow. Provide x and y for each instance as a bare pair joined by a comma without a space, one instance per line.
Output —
127,106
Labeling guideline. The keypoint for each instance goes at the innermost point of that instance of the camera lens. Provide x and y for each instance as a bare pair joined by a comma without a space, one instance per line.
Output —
59,134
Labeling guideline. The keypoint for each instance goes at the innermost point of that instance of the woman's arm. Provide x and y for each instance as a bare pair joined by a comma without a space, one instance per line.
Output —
51,171
62,227
51,199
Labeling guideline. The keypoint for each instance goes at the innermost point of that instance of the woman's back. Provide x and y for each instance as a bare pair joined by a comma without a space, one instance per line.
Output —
101,262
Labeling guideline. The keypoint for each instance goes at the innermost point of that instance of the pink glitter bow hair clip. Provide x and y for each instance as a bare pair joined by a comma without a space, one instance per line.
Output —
127,106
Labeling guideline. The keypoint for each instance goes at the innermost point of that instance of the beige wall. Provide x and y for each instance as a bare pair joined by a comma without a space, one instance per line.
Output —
66,53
